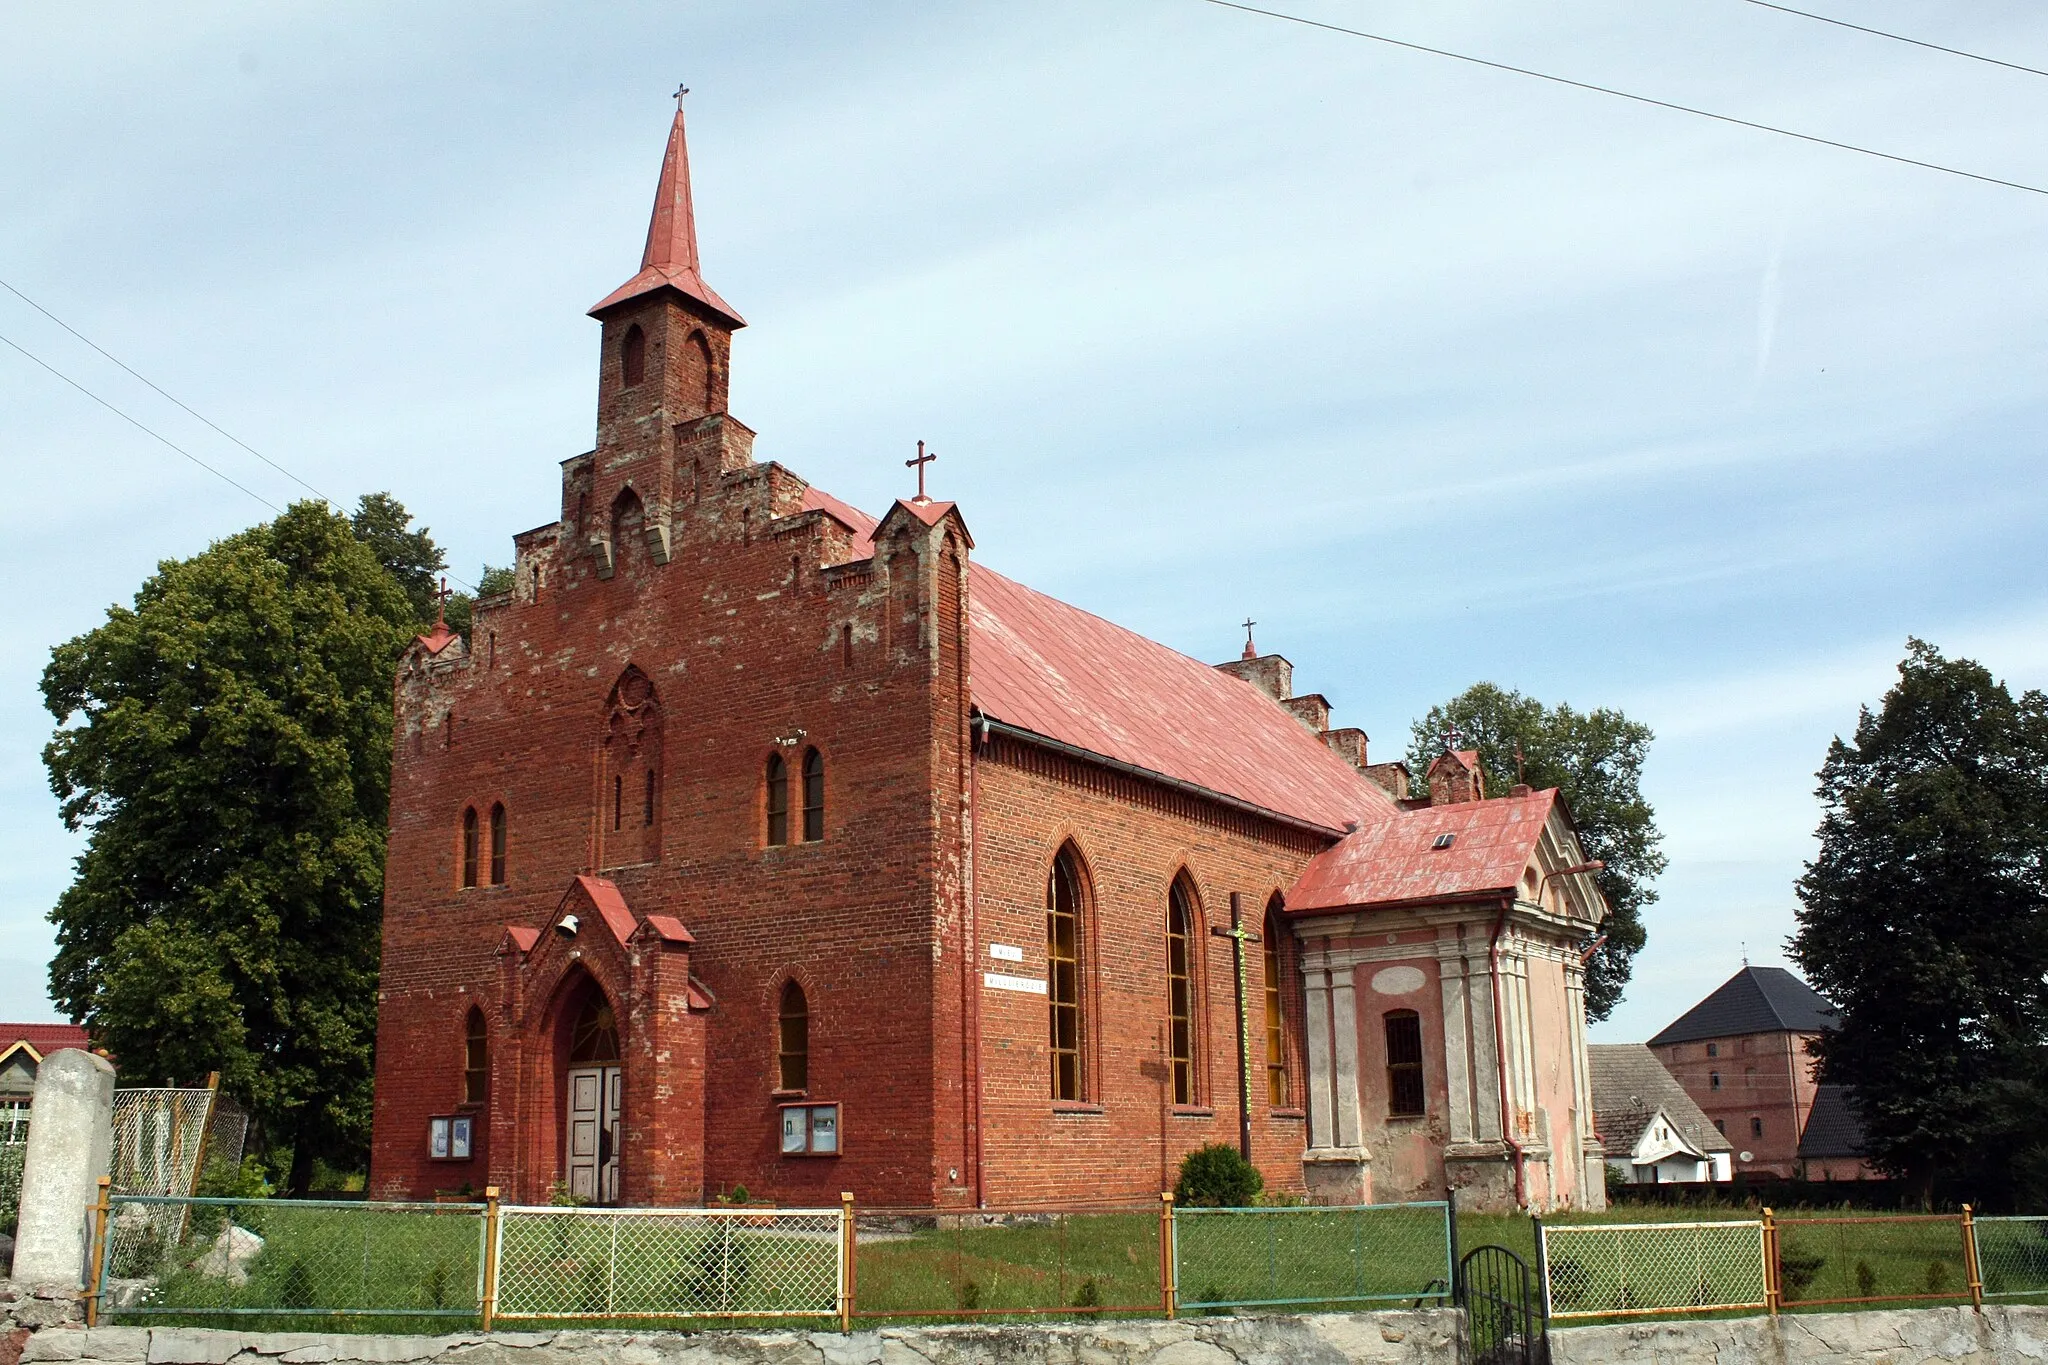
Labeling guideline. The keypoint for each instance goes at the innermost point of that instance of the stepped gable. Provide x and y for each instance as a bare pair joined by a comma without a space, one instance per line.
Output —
1067,674
1754,1000
1397,861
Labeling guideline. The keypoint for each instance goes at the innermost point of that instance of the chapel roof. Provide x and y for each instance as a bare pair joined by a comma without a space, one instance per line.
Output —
1398,860
1629,1087
1832,1125
1042,665
1754,1000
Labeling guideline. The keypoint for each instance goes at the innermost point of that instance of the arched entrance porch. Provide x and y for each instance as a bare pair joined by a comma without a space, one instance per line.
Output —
593,1089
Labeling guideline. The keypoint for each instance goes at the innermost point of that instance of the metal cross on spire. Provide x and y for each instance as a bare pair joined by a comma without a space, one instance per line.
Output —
1250,650
681,91
1451,737
441,606
918,464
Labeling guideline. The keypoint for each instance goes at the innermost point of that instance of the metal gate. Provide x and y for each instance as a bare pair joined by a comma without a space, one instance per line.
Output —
1503,1309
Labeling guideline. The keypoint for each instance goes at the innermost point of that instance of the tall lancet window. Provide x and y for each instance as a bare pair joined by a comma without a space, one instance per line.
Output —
1277,1021
1064,927
1181,1024
633,356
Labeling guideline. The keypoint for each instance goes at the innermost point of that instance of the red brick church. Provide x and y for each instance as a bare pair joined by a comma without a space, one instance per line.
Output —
750,840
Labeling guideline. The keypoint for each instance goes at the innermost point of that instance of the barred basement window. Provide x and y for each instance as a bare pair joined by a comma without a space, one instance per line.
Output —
778,800
1063,974
498,844
476,1059
1276,1012
1180,991
793,1040
814,796
469,849
1405,1098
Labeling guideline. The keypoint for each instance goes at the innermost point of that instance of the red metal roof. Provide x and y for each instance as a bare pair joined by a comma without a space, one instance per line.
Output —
605,898
44,1038
1044,666
1397,860
670,259
670,929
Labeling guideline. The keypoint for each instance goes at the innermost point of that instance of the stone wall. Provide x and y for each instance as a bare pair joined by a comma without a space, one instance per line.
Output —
1427,1337
1914,1336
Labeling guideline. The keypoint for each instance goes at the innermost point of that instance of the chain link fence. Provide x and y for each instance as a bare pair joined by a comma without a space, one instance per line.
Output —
1874,1259
588,1263
159,1137
198,1260
2012,1257
1070,1262
1298,1257
1599,1270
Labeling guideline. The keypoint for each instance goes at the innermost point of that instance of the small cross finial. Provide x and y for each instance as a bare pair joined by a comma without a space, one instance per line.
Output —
681,91
1250,651
1521,778
918,464
441,604
1451,737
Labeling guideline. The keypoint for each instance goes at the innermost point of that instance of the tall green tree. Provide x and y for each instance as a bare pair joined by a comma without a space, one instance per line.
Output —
1925,919
225,743
1596,759
410,555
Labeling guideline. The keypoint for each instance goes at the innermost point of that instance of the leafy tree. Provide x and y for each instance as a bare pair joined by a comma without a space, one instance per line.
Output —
1595,758
410,556
226,744
1925,919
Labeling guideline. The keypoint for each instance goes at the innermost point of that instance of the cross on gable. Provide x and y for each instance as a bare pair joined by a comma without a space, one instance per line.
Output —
918,464
1451,737
441,609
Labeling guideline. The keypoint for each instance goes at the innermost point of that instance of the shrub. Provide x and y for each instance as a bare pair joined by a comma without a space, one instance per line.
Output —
1799,1272
1217,1177
1937,1277
1089,1296
1866,1281
296,1290
970,1294
738,1195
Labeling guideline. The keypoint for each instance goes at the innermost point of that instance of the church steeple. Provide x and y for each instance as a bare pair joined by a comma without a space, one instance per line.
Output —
670,260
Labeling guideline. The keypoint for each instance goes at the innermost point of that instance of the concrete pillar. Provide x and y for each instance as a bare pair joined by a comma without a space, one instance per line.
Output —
1322,1088
70,1146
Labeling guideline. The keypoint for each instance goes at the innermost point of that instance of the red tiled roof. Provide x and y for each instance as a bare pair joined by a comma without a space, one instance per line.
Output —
1044,666
44,1038
1397,860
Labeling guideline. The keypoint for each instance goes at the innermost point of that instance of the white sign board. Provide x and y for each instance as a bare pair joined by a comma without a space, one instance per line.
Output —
1006,952
998,981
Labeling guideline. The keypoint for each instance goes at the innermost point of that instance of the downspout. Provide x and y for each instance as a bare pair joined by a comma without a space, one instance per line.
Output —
1500,1049
970,967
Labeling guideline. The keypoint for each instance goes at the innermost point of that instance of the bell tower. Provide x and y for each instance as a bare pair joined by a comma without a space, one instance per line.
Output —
665,357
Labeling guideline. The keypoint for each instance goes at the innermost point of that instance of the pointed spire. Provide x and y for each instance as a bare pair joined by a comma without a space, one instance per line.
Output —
670,259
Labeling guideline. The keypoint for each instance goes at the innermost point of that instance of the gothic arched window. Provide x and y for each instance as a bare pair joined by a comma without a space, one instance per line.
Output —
476,1058
1277,1033
1181,1023
777,779
814,796
793,1040
498,844
633,356
469,846
1063,986
632,749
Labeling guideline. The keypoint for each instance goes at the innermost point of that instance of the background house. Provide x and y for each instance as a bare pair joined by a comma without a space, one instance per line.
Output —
1653,1132
22,1049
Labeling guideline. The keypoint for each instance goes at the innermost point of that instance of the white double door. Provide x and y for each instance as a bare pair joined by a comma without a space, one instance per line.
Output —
594,1134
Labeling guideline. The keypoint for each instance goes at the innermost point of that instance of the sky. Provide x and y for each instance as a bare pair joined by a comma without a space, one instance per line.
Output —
1442,374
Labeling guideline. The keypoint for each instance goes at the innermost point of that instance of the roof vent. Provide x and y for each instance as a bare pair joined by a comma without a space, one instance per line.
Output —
1444,841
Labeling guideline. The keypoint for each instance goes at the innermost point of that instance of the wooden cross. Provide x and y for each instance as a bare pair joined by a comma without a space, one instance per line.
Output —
1239,936
918,464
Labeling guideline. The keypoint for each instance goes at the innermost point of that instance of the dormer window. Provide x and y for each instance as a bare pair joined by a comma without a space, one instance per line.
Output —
1444,841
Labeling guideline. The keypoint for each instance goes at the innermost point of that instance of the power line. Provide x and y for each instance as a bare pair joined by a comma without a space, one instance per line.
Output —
1897,37
159,389
224,478
141,428
1626,95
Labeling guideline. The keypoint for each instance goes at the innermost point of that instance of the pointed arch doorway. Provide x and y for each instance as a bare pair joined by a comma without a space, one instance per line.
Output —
595,1090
